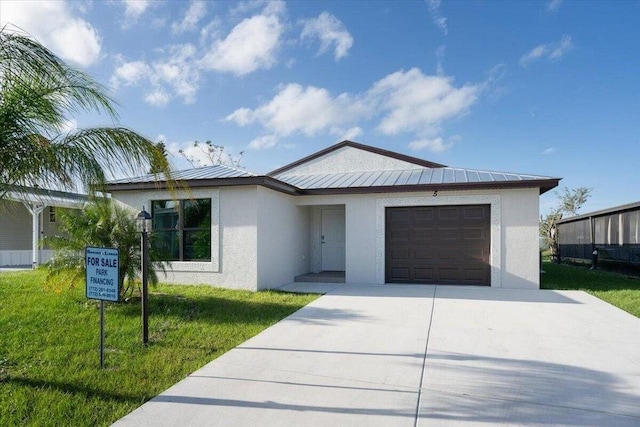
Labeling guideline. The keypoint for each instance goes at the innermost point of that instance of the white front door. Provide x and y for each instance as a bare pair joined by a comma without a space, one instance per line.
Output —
332,239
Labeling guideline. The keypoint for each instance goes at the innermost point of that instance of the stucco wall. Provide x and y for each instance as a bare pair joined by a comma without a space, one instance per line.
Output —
514,231
283,240
284,246
233,236
350,159
521,257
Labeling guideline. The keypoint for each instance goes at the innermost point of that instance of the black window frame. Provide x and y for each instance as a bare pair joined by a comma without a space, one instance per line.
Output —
180,228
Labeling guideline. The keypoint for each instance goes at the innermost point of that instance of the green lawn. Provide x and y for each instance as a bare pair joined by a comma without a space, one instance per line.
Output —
49,360
617,289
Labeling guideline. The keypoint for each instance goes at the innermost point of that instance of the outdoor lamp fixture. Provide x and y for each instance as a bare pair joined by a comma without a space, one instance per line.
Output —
143,225
143,222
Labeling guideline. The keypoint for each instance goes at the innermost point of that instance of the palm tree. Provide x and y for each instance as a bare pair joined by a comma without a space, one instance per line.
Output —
38,93
101,223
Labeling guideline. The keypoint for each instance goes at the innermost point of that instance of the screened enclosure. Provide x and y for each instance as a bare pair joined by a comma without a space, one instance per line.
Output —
614,232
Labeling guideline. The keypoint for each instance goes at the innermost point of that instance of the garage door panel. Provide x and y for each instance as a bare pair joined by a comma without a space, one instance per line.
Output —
474,275
448,233
423,235
426,274
438,244
474,233
448,213
400,254
400,234
448,254
424,253
423,215
399,217
400,273
448,272
473,212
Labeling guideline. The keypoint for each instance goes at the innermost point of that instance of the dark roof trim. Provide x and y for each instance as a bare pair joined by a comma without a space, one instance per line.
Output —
615,209
346,143
265,181
544,186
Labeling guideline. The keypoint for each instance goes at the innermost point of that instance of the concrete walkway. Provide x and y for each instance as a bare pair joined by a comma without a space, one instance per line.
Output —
421,355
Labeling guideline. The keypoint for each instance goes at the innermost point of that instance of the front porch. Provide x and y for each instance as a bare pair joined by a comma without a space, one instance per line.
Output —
28,215
322,277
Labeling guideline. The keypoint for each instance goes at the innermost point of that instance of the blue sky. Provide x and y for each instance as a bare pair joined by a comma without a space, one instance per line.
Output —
543,87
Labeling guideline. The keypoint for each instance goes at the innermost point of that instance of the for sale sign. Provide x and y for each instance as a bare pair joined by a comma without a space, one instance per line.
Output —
102,273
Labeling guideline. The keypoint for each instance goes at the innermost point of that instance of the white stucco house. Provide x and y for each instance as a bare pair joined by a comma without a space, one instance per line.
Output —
378,216
26,217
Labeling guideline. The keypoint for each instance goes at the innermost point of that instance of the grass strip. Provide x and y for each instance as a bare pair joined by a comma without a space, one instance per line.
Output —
49,340
617,289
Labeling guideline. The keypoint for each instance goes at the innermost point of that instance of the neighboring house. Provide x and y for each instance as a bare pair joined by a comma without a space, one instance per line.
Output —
615,232
26,217
378,216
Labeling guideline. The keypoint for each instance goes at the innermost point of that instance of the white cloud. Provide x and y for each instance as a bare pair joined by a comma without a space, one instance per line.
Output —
54,24
414,102
267,7
157,98
440,51
251,45
197,10
179,72
296,109
553,6
436,16
242,116
263,142
533,55
130,73
560,48
210,31
330,31
437,145
175,75
134,9
402,102
549,150
552,51
348,134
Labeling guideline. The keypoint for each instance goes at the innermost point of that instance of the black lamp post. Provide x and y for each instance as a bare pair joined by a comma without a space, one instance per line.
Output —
143,225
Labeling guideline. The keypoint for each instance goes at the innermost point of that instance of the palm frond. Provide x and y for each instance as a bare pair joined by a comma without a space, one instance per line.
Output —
38,93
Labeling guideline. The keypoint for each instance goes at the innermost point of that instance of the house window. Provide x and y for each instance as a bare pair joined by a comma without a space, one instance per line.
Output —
52,214
182,229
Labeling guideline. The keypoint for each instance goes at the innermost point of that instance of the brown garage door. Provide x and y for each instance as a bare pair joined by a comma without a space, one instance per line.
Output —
438,244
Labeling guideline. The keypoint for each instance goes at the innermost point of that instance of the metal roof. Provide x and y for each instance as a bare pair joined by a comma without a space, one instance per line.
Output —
426,176
206,172
432,175
38,196
615,209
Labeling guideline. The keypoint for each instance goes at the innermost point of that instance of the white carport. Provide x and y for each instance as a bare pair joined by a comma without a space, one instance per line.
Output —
36,200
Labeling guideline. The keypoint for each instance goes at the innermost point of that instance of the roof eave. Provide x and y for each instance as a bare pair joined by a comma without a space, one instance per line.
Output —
264,181
544,186
615,209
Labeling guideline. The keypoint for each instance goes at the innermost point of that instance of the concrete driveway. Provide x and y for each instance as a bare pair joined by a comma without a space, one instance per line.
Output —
400,355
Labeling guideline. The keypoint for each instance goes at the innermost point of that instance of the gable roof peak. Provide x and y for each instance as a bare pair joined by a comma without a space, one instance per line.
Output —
359,146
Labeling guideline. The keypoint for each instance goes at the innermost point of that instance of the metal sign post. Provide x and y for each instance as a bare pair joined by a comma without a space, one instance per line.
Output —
103,282
101,334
